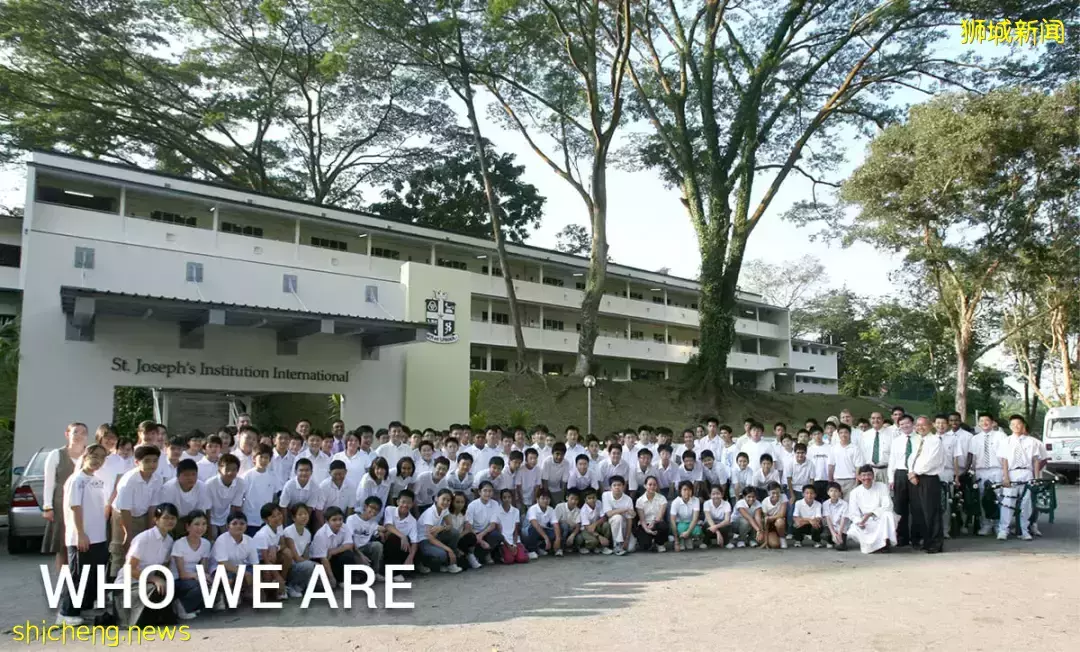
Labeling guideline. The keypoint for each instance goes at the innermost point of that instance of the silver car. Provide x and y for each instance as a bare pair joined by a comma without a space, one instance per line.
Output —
25,523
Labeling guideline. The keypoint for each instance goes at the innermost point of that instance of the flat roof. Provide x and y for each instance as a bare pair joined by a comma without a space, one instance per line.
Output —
131,175
817,344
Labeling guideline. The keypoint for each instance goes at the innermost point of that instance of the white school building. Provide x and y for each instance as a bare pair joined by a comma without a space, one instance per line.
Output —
126,277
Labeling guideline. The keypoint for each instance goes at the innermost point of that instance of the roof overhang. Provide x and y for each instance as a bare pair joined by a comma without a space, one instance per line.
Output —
83,305
783,371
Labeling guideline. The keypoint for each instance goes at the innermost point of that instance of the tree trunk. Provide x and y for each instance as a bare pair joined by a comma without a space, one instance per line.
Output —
716,308
597,276
494,210
1039,361
962,341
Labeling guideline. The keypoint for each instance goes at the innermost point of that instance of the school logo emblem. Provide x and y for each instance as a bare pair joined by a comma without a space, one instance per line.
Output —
440,319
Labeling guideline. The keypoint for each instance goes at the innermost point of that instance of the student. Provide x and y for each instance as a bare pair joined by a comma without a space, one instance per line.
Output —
554,472
295,544
870,511
401,537
755,447
594,531
355,460
764,476
320,461
807,519
845,460
234,549
666,471
87,546
746,516
402,476
365,529
429,483
332,546
509,520
685,519
188,553
774,513
742,476
712,474
194,448
528,478
798,474
481,514
785,454
150,548
425,458
618,509
135,494
301,489
208,465
437,541
1018,456
335,490
651,528
462,478
542,532
690,472
818,453
167,470
511,473
573,443
247,450
718,518
493,474
982,456
226,492
397,447
834,513
186,492
582,476
462,528
376,482
267,543
568,514
260,488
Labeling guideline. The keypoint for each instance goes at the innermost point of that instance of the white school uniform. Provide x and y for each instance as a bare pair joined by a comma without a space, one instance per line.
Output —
207,469
293,494
326,540
555,474
186,501
682,475
150,547
356,466
638,476
799,475
652,510
741,478
755,449
431,517
268,537
846,461
774,509
406,525
331,494
454,482
569,519
574,451
544,518
224,499
113,467
717,475
363,531
186,557
683,511
718,513
370,487
950,444
667,475
819,457
400,483
392,453
427,488
802,510
589,515
575,480
504,481
87,492
481,515
529,481
320,465
508,520
260,490
834,512
135,494
198,457
736,513
606,470
282,466
301,540
761,481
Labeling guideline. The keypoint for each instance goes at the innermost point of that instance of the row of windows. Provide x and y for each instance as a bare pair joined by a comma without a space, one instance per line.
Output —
810,349
240,229
815,381
452,264
173,218
327,243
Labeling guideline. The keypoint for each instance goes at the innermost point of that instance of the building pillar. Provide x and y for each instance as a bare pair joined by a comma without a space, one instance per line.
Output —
541,316
490,319
488,368
296,239
540,362
628,370
667,372
541,273
627,289
731,376
665,297
433,259
667,339
628,329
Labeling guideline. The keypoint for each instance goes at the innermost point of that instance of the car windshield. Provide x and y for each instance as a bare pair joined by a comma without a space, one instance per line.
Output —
37,465
1069,427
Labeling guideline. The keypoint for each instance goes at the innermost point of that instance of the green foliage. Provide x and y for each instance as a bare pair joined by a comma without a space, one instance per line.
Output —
450,195
131,405
519,417
478,418
9,381
573,239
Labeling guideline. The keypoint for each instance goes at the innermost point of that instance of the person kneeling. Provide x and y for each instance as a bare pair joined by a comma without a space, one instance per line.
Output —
807,518
438,543
718,518
685,519
149,548
542,533
332,547
870,510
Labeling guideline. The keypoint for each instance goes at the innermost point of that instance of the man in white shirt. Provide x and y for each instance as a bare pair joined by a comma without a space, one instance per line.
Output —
903,443
712,441
963,436
925,466
1018,456
870,509
983,458
396,448
845,460
950,473
320,461
554,472
573,443
876,446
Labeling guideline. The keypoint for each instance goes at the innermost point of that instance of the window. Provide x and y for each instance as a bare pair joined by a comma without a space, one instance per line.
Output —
658,337
173,218
747,312
500,318
496,271
76,199
452,264
659,300
693,306
577,327
694,343
498,364
637,295
579,285
194,273
477,363
646,374
84,258
748,346
380,252
289,283
637,335
553,325
371,294
10,255
239,229
327,243
557,282
553,369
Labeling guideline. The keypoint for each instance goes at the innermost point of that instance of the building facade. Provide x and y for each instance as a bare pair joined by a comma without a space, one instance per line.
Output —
127,277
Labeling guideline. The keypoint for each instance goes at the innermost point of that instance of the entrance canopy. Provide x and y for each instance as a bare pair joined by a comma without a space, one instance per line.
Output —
83,305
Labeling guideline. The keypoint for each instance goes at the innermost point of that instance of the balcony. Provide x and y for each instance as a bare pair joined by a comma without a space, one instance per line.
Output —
754,361
760,329
9,278
487,334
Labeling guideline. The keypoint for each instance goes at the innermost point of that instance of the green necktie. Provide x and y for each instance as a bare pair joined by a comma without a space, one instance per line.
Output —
907,451
877,447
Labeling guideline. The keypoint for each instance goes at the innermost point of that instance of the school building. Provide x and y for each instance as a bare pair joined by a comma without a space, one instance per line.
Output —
126,277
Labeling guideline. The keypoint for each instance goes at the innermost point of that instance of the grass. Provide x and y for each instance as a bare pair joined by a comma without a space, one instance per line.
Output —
558,402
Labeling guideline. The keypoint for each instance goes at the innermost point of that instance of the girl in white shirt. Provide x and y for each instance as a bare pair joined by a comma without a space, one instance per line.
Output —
188,553
84,523
462,528
718,517
234,548
402,477
651,528
376,482
685,519
436,535
509,519
151,548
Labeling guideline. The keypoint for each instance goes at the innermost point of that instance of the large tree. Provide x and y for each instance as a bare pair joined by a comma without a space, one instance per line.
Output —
789,284
251,93
450,195
963,188
741,94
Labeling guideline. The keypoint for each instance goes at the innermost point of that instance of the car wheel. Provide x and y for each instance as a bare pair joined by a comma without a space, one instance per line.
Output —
16,545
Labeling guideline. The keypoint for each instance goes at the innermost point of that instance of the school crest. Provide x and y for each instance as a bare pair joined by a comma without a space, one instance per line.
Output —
441,314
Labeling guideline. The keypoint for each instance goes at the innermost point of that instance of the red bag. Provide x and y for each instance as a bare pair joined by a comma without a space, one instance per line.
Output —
509,557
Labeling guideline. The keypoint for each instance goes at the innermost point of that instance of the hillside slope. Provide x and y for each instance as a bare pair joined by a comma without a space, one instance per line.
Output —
558,401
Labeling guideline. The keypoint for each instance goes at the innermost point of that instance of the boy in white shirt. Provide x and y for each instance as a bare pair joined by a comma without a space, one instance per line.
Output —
542,532
834,513
667,472
807,518
208,465
613,466
818,453
494,474
798,474
845,460
261,485
226,492
332,546
320,461
282,460
618,509
268,546
594,531
429,483
509,519
84,530
554,471
592,450
712,474
774,513
437,542
462,478
690,472
481,515
742,476
528,478
365,530
765,476
336,490
582,476
302,490
749,525
569,516
186,492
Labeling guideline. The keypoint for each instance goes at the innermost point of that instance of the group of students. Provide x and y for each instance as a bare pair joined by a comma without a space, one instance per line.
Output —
456,499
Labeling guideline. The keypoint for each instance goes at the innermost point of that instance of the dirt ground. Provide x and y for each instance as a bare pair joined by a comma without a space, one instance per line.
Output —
981,595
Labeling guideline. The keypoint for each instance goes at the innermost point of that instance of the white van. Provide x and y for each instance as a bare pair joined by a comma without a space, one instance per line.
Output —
1061,434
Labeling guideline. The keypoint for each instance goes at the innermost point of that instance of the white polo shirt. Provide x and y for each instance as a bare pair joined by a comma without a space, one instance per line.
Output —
736,515
508,520
589,515
653,510
683,511
802,510
228,549
846,460
113,467
150,547
320,465
135,494
186,557
369,487
392,453
301,539
326,540
431,517
87,492
555,474
224,499
718,513
207,469
293,494
545,518
529,481
481,515
331,494
261,488
426,488
186,501
267,537
356,466
406,525
362,531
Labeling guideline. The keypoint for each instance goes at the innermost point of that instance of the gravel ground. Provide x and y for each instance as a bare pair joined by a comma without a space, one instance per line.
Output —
981,595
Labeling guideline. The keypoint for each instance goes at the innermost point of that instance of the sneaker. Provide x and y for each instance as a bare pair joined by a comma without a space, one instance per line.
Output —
1026,536
182,613
453,568
423,570
741,544
558,553
542,552
473,561
730,546
828,546
753,544
399,578
702,546
963,530
783,544
379,577
297,593
584,551
987,528
661,548
533,555
948,536
219,604
819,545
606,551
282,596
790,537
619,552
1035,529
798,544
68,620
1002,536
